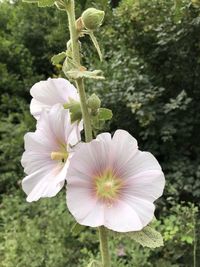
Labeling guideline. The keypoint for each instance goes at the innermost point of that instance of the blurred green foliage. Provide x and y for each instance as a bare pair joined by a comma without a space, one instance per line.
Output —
151,63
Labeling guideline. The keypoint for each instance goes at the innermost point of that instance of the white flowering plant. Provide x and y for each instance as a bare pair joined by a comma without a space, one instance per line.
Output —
110,184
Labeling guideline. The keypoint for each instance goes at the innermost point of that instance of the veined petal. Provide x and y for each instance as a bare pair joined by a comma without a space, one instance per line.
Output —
140,185
53,91
33,161
95,161
139,162
116,182
36,108
46,157
50,92
39,142
143,208
41,184
121,217
124,147
77,194
59,120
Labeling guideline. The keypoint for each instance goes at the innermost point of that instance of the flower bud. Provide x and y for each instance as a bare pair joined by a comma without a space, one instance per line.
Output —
92,18
94,102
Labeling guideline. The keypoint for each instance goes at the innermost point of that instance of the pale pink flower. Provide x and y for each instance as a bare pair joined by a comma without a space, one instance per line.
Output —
112,183
47,153
50,92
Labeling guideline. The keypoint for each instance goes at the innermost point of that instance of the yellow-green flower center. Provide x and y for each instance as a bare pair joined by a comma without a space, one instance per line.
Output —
59,156
107,185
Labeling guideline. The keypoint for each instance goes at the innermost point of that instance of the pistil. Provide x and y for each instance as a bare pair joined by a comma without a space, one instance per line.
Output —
107,186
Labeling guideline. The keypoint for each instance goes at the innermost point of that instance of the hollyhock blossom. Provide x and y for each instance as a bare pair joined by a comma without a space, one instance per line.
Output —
50,92
47,153
112,183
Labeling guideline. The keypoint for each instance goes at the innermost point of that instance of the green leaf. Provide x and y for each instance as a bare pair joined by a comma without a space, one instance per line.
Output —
56,59
77,228
76,74
147,237
94,263
105,114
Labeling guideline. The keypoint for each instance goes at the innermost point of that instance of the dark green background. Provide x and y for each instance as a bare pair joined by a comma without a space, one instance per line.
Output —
152,66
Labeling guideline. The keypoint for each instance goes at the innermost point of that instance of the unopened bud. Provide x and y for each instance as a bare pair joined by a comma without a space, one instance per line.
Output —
94,102
92,18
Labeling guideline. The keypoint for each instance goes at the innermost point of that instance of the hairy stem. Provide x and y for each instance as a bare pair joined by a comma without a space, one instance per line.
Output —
86,117
104,247
84,109
76,58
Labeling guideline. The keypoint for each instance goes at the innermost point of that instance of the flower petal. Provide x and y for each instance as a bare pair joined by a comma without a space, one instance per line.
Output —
81,202
36,108
46,176
124,147
142,182
33,161
147,185
143,208
48,93
121,217
41,184
139,162
90,158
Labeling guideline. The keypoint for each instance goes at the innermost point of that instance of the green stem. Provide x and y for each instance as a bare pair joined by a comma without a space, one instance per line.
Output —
86,117
84,109
70,8
76,58
104,247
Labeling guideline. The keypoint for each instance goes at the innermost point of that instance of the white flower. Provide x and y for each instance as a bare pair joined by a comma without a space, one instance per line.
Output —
111,183
48,93
47,153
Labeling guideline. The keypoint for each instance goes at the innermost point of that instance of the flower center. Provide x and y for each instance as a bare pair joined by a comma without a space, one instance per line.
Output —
59,155
107,186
